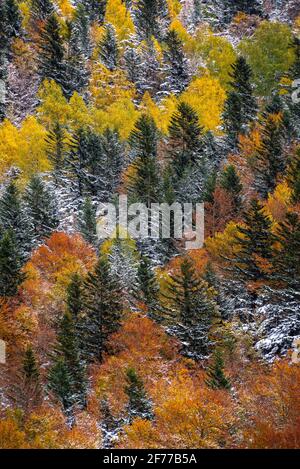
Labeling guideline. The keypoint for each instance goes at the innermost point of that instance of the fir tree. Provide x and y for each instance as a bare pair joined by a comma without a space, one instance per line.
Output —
109,425
147,287
216,378
13,18
269,160
139,405
30,366
151,18
255,244
77,161
95,9
57,150
185,138
87,222
112,161
230,181
240,107
109,51
80,32
102,309
210,187
14,217
175,64
286,260
144,186
51,52
41,209
41,10
191,310
74,296
11,276
293,176
60,383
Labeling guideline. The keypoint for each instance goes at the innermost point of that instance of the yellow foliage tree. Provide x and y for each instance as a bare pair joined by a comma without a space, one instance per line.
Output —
118,15
207,97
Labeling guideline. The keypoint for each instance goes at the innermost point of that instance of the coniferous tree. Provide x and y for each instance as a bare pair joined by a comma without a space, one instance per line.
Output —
109,425
96,9
102,309
240,107
147,287
30,366
80,32
112,161
185,138
175,64
57,150
60,383
41,209
109,51
11,276
87,222
269,160
139,405
191,310
51,53
144,186
151,18
293,176
13,18
14,217
255,242
286,260
230,181
41,10
216,378
74,296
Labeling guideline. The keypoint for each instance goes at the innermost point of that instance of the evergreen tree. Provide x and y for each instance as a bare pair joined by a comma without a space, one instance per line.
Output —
151,18
293,176
77,161
74,297
41,209
216,378
191,310
102,303
210,187
3,79
87,222
57,150
13,18
175,64
30,366
51,53
185,138
139,405
144,186
230,181
286,260
255,244
109,51
41,10
60,383
80,32
110,425
11,276
14,217
147,287
112,161
96,9
269,160
240,107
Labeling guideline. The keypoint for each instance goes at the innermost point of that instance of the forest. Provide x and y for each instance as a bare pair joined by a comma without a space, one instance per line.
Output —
124,343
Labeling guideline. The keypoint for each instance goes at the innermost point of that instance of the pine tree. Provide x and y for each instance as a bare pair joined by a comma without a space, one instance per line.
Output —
109,425
175,64
80,31
191,310
41,209
286,260
60,383
103,309
112,161
11,276
255,242
30,366
14,217
13,18
151,18
216,378
139,405
240,107
269,160
87,222
57,150
96,9
230,181
147,286
144,186
185,139
74,296
109,50
210,187
51,52
41,10
293,176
